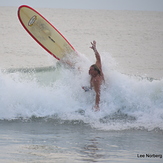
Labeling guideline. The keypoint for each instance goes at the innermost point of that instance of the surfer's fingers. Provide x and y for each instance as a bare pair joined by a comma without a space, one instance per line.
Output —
93,43
91,46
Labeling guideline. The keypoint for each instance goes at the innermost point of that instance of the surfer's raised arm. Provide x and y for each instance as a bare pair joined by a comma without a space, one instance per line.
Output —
97,55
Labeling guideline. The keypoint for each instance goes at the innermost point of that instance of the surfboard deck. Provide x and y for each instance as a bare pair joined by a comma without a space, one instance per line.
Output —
44,33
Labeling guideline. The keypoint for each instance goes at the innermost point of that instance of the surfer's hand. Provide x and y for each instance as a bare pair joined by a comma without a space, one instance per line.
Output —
86,88
93,45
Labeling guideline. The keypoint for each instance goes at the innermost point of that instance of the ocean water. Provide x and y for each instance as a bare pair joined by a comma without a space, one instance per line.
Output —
47,117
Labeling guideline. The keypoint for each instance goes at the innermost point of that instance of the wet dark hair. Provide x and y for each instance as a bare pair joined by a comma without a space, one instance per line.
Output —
96,68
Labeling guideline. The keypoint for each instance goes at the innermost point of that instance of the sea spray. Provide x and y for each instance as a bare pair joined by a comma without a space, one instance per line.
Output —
127,102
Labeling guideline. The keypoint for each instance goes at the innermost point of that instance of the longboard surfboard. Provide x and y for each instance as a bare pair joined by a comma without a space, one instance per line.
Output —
44,33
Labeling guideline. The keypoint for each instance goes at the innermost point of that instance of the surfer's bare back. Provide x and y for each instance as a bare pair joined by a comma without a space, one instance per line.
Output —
97,76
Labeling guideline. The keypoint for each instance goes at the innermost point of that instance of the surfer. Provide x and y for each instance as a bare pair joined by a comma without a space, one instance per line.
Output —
97,77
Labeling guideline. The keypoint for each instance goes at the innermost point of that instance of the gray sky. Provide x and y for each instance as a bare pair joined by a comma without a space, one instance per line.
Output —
147,5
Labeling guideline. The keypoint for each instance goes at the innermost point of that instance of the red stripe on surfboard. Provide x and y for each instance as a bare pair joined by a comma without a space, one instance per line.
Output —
34,37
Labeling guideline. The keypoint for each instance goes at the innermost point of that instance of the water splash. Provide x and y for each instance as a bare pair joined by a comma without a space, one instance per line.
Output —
127,102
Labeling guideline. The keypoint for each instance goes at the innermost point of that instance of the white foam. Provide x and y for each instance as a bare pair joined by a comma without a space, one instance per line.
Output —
126,102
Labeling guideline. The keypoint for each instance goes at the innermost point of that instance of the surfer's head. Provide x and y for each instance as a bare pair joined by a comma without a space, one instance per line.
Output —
94,70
